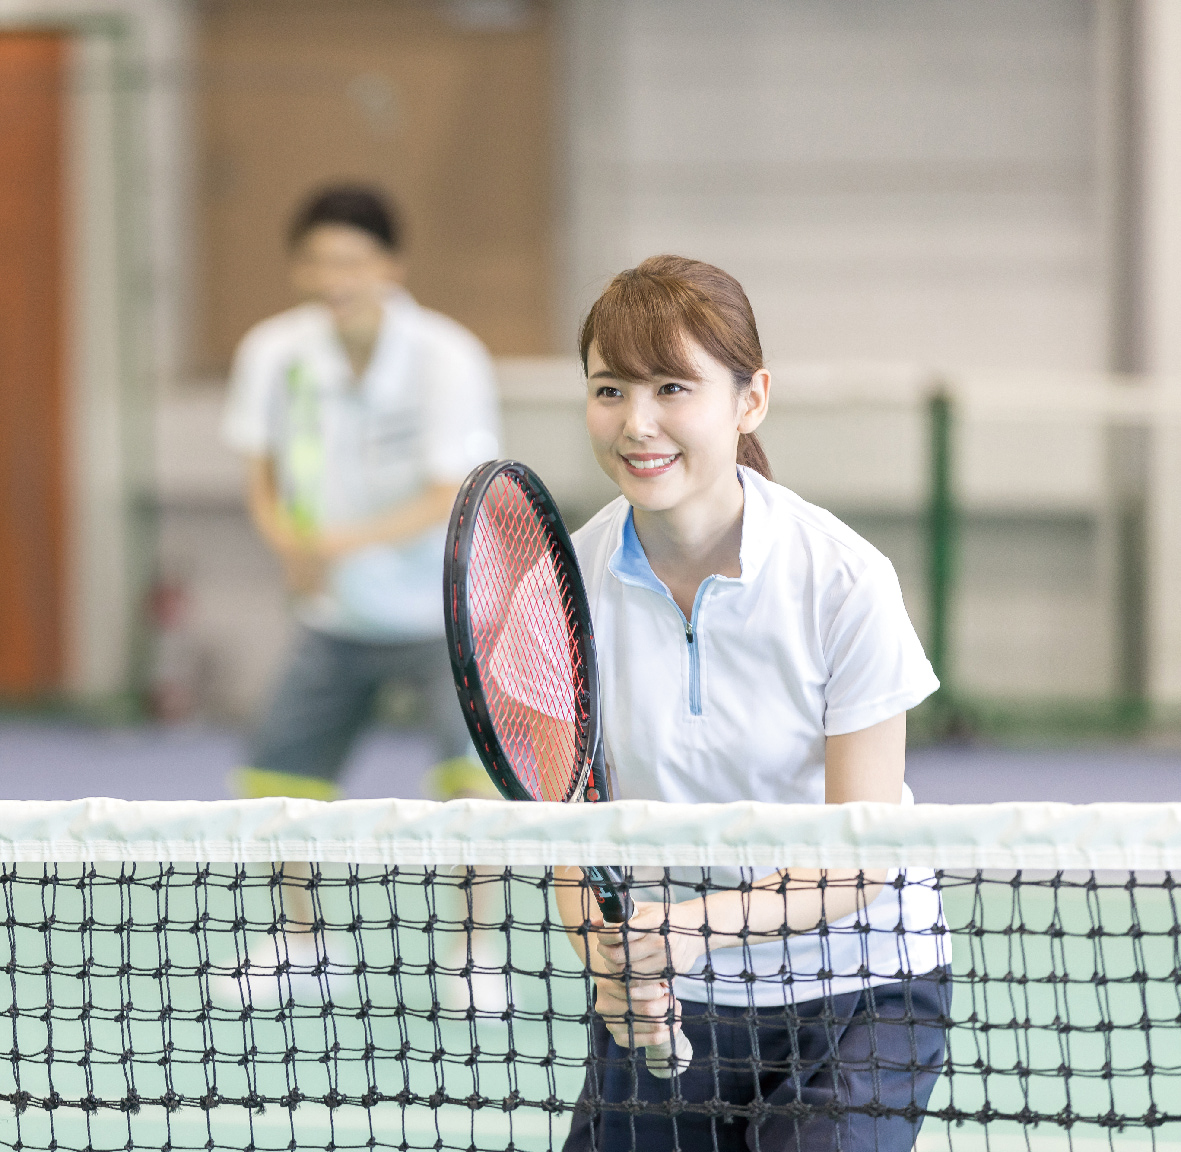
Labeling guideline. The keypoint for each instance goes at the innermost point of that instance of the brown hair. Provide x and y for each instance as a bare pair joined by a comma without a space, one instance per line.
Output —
640,322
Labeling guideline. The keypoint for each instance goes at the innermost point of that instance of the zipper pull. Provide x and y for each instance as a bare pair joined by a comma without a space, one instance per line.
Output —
688,633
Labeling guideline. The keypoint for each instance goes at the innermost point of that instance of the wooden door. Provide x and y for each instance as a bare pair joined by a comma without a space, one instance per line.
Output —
451,117
32,457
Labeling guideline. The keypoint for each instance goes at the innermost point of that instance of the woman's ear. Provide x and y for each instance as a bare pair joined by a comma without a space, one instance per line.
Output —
754,401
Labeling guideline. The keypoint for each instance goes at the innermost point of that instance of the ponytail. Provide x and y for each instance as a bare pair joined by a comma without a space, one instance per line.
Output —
752,456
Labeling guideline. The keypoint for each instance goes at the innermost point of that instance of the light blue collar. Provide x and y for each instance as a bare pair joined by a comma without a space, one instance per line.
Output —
630,563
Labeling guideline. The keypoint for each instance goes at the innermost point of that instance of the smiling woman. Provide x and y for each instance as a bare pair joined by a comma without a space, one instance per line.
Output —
676,389
751,647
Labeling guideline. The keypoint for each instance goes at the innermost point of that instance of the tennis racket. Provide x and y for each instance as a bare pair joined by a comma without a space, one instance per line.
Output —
523,655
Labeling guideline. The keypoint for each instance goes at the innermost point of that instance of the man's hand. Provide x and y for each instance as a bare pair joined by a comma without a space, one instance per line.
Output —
305,570
306,556
304,563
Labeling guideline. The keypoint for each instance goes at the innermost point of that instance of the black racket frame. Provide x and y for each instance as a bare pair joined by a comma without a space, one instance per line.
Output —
606,882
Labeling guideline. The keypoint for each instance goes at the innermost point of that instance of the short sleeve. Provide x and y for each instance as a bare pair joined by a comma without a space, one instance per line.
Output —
876,662
246,422
462,426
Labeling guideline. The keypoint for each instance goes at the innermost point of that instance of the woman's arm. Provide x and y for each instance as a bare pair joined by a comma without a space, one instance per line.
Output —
865,765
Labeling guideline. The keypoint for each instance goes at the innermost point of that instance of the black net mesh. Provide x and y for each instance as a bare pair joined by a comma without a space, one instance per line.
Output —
339,1007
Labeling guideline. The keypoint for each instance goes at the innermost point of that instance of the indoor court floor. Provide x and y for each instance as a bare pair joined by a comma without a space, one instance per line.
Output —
58,761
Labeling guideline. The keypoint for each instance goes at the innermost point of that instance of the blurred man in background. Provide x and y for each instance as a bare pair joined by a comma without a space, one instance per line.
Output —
360,412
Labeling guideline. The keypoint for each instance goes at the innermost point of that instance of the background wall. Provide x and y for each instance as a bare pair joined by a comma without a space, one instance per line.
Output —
921,180
933,188
124,264
32,346
445,106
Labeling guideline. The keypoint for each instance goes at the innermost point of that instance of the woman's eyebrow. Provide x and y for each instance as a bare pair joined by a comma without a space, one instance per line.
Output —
603,374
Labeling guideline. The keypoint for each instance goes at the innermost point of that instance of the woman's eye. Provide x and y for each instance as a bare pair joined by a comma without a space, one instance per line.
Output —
607,392
671,389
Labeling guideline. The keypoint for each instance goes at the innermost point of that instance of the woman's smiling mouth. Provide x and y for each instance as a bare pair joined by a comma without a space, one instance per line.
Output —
650,465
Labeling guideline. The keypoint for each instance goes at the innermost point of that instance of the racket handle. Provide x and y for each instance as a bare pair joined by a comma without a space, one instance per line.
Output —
616,905
673,1055
608,886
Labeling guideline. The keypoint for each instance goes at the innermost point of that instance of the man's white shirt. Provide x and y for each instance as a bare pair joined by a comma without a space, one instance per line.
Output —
347,450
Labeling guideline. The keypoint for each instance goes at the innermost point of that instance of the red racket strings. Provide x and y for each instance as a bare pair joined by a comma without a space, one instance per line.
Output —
524,630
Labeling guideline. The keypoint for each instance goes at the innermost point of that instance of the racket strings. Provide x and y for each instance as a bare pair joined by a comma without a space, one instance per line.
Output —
524,628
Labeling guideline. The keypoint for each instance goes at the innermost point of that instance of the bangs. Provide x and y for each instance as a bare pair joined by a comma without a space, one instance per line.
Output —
642,326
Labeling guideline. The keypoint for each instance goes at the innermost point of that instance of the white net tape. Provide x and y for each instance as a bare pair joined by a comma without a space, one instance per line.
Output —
639,833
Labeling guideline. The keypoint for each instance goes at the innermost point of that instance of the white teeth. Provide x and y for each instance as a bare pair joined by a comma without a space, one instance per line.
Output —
659,462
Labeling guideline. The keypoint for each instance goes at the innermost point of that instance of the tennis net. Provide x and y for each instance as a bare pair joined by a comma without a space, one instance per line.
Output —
176,977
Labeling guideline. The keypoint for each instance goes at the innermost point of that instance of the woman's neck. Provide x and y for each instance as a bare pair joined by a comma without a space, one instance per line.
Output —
687,544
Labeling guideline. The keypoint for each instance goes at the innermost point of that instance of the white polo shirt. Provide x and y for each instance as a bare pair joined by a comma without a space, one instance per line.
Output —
348,449
811,640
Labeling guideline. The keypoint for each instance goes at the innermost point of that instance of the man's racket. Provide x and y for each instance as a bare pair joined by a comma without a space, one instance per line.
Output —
523,655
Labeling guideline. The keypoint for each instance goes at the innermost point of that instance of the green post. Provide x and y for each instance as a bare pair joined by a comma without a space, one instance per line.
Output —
941,533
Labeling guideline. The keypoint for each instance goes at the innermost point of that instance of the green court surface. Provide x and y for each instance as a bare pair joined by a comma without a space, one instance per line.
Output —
1066,1002
119,985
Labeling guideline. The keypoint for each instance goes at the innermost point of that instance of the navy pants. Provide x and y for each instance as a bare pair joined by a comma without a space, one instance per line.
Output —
752,1072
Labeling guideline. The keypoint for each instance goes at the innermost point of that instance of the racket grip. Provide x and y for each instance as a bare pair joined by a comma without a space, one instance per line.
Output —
673,1055
608,886
616,905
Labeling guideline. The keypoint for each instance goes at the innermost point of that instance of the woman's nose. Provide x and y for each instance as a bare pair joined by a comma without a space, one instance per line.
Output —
639,423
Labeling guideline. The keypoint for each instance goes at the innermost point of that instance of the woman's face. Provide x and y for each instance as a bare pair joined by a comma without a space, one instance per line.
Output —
668,440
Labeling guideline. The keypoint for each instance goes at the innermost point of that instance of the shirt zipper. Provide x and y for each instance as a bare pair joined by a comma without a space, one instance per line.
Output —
693,644
694,673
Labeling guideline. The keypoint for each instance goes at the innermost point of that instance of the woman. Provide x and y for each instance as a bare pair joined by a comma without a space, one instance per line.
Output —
751,647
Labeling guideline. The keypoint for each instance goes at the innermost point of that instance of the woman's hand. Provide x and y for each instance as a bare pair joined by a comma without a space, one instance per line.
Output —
655,942
632,965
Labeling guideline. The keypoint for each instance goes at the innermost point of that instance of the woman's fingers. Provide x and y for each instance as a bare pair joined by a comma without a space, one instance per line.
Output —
639,996
637,1035
615,998
640,1006
643,1025
635,1016
641,955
